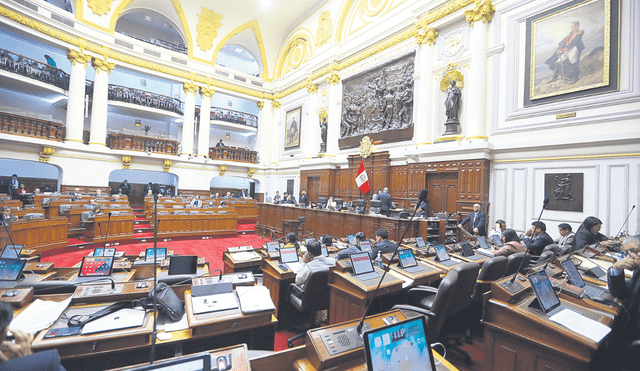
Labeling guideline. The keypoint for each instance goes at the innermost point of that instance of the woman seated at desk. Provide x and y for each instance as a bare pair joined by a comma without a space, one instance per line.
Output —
511,244
331,204
589,233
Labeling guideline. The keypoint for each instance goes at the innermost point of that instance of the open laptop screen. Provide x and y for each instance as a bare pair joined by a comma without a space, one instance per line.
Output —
544,291
361,263
399,346
572,272
442,253
288,255
11,251
365,246
420,242
483,242
183,264
10,269
406,258
273,246
96,266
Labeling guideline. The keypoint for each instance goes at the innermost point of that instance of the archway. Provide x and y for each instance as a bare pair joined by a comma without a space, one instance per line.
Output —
224,184
139,179
31,173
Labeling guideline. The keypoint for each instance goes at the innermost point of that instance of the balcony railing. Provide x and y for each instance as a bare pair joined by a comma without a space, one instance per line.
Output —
235,117
179,48
233,154
31,127
145,98
130,142
21,65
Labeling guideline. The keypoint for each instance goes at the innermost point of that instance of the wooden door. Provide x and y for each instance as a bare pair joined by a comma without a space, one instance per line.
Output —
313,188
443,192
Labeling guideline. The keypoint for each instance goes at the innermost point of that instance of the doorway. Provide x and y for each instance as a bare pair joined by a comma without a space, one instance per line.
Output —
443,192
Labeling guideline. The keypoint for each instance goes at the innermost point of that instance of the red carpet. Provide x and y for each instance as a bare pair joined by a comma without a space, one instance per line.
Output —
280,341
246,227
211,249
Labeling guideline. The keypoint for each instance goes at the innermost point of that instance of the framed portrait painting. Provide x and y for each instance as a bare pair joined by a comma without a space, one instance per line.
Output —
572,50
292,129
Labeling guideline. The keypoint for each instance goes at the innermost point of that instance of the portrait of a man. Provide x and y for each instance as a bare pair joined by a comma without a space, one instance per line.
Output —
292,129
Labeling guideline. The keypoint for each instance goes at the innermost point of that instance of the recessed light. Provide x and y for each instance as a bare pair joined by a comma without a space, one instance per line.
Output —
147,18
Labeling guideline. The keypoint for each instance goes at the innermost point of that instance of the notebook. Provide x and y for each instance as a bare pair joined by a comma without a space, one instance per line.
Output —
362,267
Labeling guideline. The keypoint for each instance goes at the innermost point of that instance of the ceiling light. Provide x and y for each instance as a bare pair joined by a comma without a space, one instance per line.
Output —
266,3
147,18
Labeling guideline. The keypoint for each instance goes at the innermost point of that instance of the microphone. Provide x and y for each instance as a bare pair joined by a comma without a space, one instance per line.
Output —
625,222
155,189
104,238
113,283
422,196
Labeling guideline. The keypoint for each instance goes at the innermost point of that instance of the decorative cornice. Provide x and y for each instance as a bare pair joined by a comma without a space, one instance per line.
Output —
483,11
99,7
427,36
126,162
78,56
333,78
311,87
207,92
276,104
166,166
190,87
208,24
260,104
441,12
102,65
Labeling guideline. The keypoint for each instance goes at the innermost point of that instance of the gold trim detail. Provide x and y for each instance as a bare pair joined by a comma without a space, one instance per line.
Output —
166,166
126,162
222,169
311,87
73,140
250,172
483,11
443,11
323,113
477,137
207,92
426,36
46,153
366,147
78,56
276,104
297,52
100,7
253,25
451,73
190,87
325,26
449,138
208,24
102,65
333,78
260,104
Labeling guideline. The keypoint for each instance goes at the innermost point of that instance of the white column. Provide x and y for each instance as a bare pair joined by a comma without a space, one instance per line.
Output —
475,99
422,100
335,112
98,135
205,118
189,118
277,143
265,134
75,104
311,140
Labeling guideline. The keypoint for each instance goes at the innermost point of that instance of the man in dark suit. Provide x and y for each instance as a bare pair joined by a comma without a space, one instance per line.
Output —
537,238
125,187
385,198
383,245
304,199
477,220
6,216
629,292
13,186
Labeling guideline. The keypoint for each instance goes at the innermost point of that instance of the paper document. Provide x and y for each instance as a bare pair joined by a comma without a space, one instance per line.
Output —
214,303
294,266
254,299
581,325
39,315
244,255
484,251
124,318
164,323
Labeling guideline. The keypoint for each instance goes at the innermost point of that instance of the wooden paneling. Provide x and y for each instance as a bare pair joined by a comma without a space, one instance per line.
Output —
398,187
116,228
415,179
40,234
198,224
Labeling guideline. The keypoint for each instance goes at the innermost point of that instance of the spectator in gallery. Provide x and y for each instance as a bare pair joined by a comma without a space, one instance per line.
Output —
220,144
50,61
277,198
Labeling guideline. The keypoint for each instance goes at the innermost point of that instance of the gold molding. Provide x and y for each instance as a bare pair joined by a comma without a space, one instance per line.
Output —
260,104
443,11
78,56
207,92
366,147
100,7
311,87
190,87
333,78
251,172
477,137
166,166
483,11
325,28
207,27
222,169
46,153
126,162
300,41
569,158
257,34
427,36
102,65
276,104
449,138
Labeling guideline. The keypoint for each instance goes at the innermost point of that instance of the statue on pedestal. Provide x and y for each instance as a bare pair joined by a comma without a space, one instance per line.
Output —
452,105
323,134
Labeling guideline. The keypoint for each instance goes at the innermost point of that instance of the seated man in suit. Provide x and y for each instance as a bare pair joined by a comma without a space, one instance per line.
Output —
313,259
17,355
383,245
477,220
6,216
352,249
537,238
196,202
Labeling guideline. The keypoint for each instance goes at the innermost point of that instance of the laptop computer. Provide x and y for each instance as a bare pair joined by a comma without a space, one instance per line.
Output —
442,256
273,248
365,246
96,266
547,300
10,269
407,261
352,239
323,248
468,253
11,251
399,346
289,260
576,279
160,254
183,264
362,267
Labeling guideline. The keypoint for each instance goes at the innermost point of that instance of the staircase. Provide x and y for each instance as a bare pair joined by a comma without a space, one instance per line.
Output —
142,229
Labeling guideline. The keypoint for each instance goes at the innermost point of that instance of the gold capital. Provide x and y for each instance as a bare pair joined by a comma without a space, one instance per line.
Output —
260,104
222,169
166,166
311,87
46,153
276,104
207,92
427,36
483,11
333,78
102,64
78,56
189,87
126,162
100,7
250,173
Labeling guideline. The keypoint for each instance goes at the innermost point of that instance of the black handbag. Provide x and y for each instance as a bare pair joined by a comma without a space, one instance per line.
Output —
167,300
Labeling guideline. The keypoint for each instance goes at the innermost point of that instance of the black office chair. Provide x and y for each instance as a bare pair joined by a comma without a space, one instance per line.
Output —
322,202
339,203
492,270
314,296
546,256
301,219
513,263
565,250
375,206
361,205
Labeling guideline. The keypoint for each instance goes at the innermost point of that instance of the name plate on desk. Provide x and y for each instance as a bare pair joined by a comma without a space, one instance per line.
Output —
98,290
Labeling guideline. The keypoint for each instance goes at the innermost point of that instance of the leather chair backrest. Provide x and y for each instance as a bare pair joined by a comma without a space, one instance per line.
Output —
514,262
546,256
31,216
86,215
64,207
339,203
492,269
467,276
301,219
564,250
322,202
442,303
316,294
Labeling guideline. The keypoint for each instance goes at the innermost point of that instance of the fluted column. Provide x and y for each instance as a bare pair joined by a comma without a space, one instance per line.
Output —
311,139
277,145
75,105
100,100
423,124
265,131
189,118
335,109
476,97
205,118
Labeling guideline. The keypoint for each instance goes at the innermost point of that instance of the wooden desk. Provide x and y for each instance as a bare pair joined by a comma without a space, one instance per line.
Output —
290,226
21,213
231,265
349,295
277,282
445,268
120,228
427,275
40,234
186,225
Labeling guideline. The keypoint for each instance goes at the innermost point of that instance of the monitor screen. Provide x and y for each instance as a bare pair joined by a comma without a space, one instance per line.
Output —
572,272
323,248
98,251
11,251
96,266
10,269
442,253
109,251
497,240
466,249
352,239
420,242
288,255
361,263
161,253
399,346
544,291
483,242
365,246
183,264
406,258
273,246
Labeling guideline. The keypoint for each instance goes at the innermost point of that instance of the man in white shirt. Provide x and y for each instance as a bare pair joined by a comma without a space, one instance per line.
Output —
566,235
313,260
196,202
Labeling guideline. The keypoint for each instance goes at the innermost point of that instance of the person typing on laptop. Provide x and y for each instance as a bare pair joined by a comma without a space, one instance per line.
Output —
313,259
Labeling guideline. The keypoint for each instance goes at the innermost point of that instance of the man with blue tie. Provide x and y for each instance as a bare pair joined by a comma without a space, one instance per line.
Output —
478,219
15,184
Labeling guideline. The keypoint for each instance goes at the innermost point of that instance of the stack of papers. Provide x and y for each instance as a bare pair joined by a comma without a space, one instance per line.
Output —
581,325
39,316
244,255
254,299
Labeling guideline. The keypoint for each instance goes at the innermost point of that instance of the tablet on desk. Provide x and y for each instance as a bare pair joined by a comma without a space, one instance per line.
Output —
11,251
365,246
98,251
195,362
183,265
406,259
109,251
10,269
96,266
308,240
362,267
159,253
273,246
288,255
420,242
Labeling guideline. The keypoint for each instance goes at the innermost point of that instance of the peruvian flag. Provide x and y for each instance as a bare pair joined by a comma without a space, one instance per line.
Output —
362,180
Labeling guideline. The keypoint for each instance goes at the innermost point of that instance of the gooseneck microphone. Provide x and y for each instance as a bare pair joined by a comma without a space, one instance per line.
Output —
155,189
421,198
625,222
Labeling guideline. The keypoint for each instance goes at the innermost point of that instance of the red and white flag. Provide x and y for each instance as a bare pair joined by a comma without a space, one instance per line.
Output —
362,180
